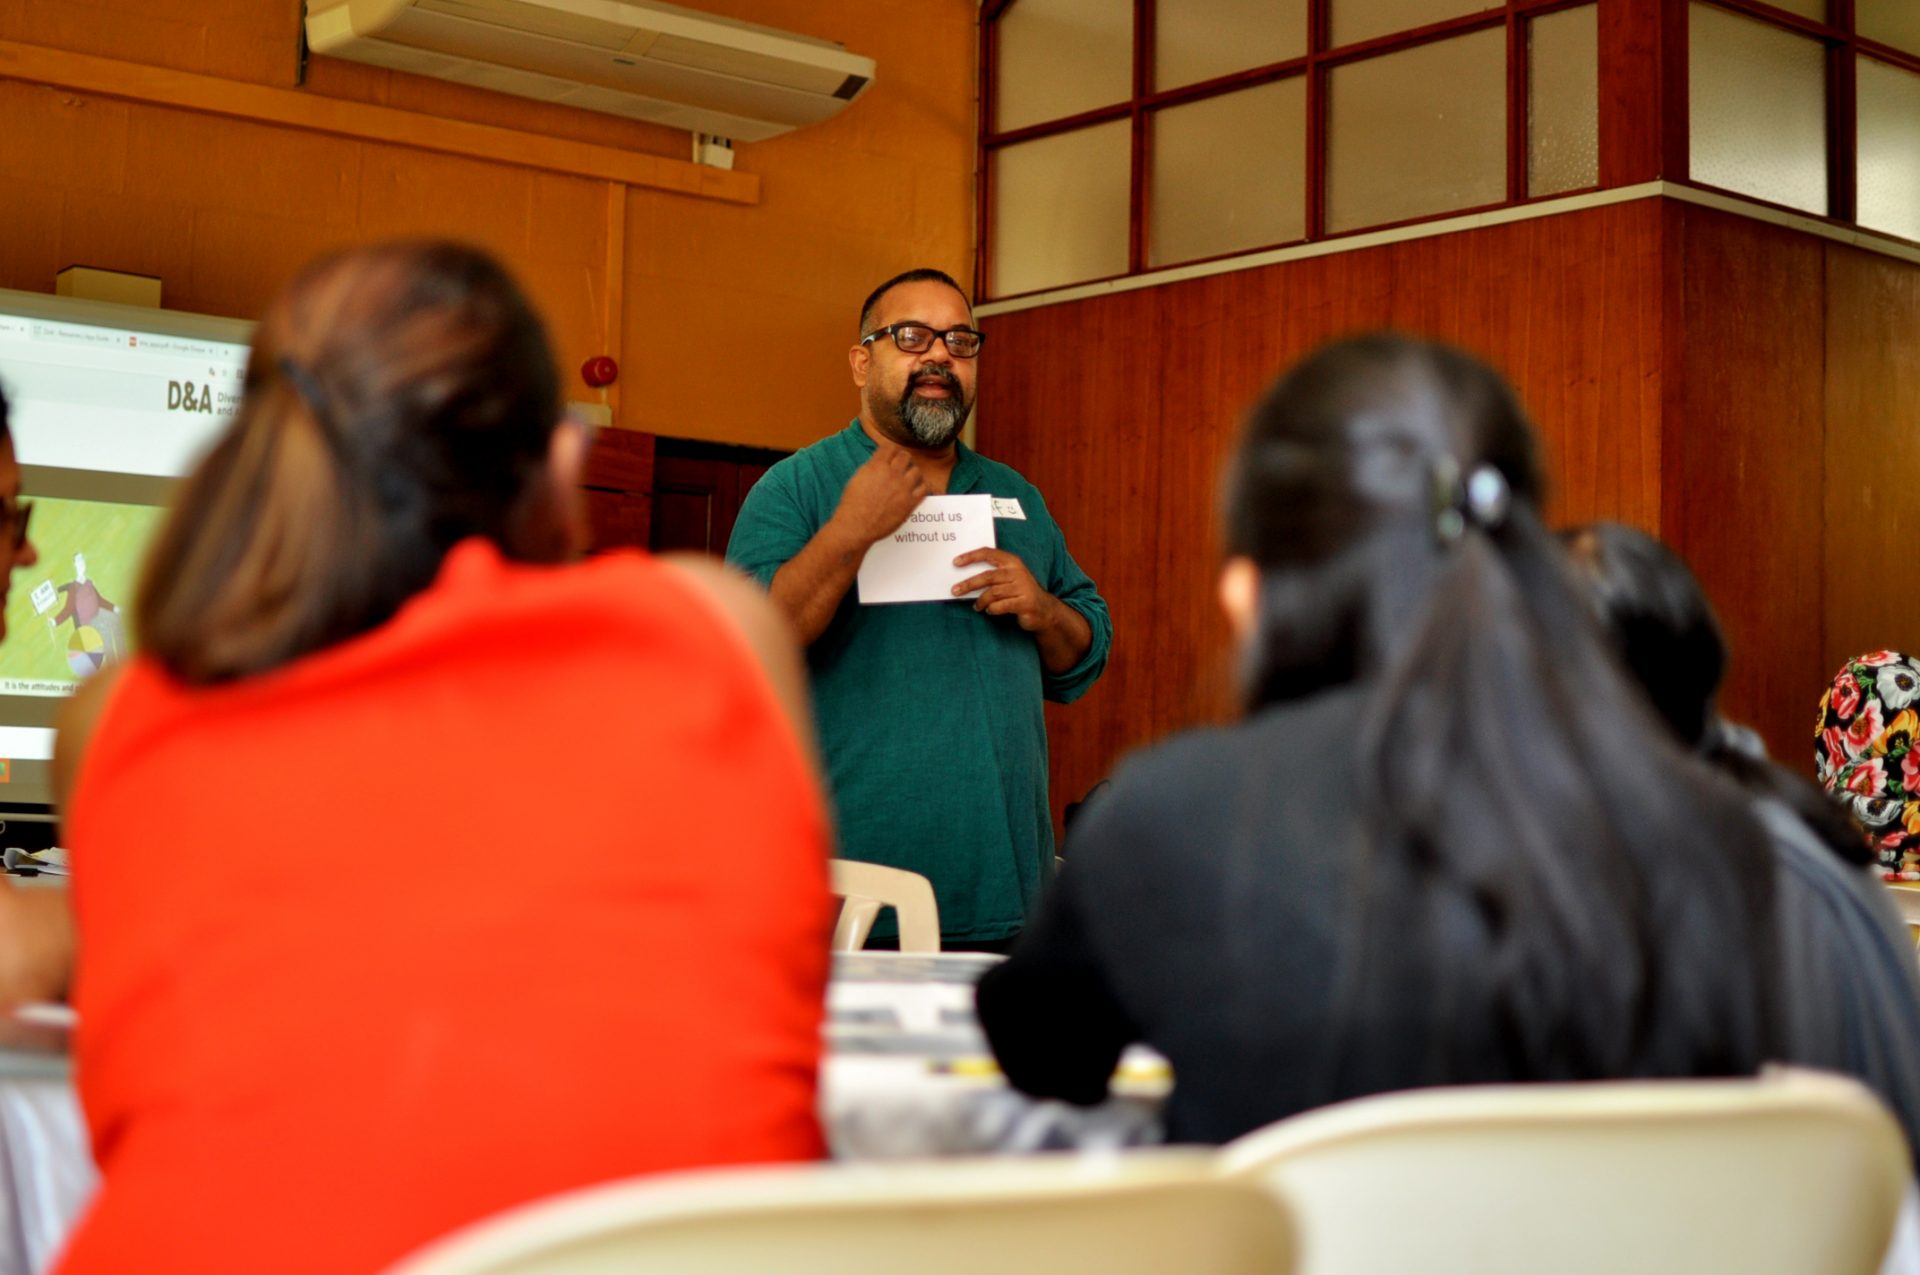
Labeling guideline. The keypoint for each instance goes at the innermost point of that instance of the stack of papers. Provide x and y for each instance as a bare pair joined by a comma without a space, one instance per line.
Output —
51,861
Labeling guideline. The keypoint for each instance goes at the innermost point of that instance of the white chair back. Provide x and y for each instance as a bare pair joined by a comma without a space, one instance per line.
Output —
1906,901
1796,1173
1142,1214
868,887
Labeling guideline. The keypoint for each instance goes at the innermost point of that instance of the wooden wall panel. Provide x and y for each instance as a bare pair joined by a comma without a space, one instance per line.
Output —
1743,457
1122,409
738,320
730,323
1871,483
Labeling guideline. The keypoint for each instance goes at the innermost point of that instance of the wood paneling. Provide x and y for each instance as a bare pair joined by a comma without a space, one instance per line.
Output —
1744,390
1122,409
1870,594
1743,457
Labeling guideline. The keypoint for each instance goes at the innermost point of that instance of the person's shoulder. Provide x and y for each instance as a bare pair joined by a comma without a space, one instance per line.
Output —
1278,740
1003,478
1197,750
832,451
1817,894
828,461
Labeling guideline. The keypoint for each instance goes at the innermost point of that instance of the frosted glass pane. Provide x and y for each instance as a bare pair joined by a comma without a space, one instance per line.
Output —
1889,157
1060,210
1563,101
1758,109
1895,22
1417,132
1056,58
1815,9
1229,173
1195,40
1356,20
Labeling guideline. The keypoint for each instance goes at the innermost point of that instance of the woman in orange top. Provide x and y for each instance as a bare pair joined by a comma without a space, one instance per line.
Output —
418,875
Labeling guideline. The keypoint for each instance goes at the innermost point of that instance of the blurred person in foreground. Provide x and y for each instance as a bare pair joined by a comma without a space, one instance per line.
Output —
1447,844
401,898
1851,987
36,926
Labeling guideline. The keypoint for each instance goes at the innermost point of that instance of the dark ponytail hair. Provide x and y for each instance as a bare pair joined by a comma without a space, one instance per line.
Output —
1567,873
399,398
1666,633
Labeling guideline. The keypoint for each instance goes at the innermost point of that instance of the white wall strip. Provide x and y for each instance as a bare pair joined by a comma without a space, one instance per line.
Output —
1793,221
1453,225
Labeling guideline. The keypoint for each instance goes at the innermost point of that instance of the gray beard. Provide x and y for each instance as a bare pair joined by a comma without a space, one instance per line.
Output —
933,422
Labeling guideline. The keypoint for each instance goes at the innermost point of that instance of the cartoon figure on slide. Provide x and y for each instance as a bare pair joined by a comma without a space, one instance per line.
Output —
98,636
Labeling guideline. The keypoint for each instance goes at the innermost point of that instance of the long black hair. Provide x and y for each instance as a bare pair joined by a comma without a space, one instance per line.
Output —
1666,633
1617,891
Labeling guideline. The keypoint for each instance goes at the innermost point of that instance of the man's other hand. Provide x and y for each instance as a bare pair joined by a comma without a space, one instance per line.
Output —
880,495
1008,589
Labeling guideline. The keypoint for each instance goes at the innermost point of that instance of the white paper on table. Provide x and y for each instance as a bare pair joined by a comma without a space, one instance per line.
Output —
915,1007
915,563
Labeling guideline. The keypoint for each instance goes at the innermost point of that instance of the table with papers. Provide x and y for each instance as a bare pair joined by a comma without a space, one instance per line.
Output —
906,1074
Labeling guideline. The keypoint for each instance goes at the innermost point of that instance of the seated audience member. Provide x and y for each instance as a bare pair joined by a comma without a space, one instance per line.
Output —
36,928
1852,994
1665,631
1863,753
418,874
1447,844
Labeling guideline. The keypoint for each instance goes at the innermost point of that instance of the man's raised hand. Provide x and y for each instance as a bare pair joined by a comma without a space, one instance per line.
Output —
880,495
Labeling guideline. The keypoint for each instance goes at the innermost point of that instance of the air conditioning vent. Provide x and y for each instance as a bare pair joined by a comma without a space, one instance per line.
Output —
636,58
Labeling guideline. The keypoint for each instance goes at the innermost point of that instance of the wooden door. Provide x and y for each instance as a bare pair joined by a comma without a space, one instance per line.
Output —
619,487
697,490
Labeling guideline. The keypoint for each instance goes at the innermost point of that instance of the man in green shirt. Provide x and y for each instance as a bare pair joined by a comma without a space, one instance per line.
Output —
930,713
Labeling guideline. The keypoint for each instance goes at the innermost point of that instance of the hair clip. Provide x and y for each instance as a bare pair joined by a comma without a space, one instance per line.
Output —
1483,500
305,385
319,406
1488,498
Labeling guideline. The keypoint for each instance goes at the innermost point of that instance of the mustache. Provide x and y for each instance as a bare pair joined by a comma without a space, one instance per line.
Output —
937,375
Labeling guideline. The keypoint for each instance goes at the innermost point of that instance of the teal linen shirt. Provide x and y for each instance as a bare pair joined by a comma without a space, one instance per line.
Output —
930,712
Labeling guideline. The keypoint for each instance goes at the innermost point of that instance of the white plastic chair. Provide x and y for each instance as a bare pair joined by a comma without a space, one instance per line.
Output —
868,887
1906,901
1142,1214
1796,1173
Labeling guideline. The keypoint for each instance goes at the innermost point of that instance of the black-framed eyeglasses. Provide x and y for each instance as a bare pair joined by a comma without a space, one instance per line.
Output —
14,518
917,338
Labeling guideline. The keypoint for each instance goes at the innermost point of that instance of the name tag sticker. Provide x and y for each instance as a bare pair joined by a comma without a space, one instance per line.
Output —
915,563
1008,507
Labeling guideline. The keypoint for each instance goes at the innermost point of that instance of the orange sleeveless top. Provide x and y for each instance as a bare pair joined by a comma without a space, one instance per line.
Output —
524,890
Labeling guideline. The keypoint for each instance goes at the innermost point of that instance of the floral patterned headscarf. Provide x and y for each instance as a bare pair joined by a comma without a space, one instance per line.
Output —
1864,753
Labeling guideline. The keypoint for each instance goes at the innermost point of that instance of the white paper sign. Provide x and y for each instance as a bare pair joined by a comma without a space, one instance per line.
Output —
915,563
1008,507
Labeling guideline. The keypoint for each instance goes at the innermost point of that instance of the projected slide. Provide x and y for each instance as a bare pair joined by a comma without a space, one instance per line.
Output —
67,617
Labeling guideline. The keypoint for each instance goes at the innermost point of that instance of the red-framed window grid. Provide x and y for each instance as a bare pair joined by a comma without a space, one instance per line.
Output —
1843,46
1837,34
